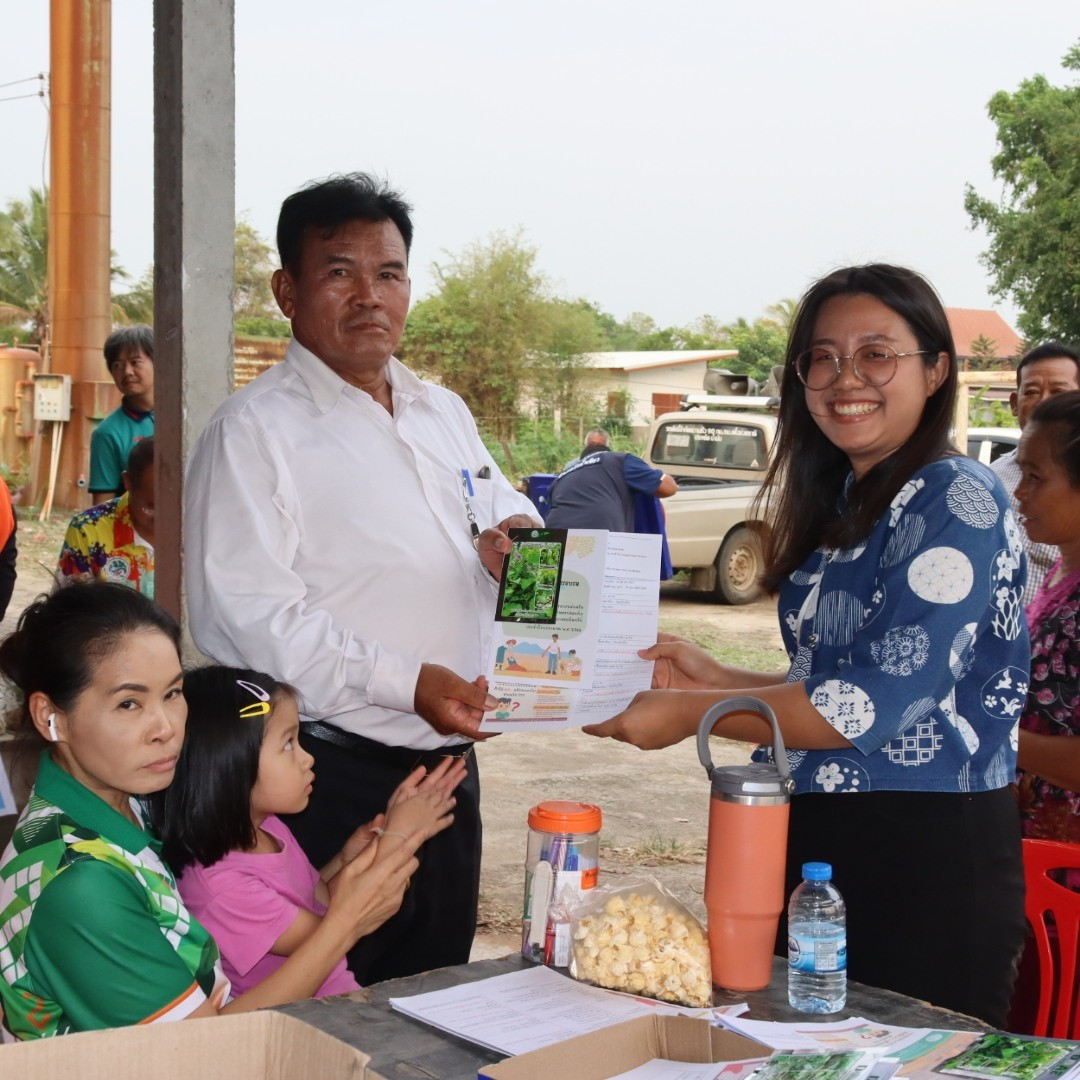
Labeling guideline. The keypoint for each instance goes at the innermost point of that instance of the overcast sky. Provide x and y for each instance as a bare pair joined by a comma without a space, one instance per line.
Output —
674,158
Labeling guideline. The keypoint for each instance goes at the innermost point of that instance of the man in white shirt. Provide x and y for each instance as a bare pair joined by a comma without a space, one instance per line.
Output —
343,525
1046,370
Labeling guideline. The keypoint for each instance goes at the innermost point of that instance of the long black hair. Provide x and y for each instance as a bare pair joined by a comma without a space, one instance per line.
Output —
800,494
206,811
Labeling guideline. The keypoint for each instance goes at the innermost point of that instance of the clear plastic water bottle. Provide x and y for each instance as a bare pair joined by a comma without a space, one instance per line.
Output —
817,943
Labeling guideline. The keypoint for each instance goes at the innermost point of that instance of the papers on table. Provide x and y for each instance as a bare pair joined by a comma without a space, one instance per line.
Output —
922,1053
855,1033
583,667
528,1009
663,1069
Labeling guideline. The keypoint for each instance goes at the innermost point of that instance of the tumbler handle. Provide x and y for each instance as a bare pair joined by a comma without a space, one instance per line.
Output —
742,703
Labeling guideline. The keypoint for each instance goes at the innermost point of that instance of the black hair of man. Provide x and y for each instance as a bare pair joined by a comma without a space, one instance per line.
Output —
327,205
140,459
1049,350
137,336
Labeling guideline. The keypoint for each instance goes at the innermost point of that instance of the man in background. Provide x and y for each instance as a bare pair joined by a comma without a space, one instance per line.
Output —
129,356
1046,370
595,439
597,491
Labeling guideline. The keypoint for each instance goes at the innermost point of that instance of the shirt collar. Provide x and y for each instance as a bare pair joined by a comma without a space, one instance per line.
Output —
87,809
326,386
135,414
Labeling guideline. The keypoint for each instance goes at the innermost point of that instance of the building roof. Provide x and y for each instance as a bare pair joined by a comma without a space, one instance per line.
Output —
968,323
638,361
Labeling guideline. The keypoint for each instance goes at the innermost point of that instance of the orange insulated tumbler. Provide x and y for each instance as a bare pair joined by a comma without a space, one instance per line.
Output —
744,868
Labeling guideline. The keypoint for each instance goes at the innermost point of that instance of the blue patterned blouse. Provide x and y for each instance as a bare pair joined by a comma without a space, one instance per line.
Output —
914,644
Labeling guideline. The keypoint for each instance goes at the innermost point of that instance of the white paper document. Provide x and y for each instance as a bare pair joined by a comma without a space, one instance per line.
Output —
525,1010
664,1069
582,667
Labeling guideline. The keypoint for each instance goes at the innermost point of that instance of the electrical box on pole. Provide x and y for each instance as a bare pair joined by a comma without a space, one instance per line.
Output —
52,397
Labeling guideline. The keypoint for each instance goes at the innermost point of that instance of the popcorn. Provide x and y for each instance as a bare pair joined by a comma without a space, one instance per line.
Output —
645,942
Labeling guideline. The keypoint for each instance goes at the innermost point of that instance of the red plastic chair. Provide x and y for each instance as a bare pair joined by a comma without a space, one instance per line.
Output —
1054,913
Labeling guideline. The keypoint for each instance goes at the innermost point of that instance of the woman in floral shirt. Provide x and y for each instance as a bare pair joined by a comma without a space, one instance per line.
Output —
1048,777
899,569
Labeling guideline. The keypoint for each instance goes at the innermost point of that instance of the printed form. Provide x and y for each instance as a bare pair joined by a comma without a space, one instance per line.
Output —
581,666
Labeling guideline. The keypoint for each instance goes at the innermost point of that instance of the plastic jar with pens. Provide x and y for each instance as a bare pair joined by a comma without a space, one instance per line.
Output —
561,866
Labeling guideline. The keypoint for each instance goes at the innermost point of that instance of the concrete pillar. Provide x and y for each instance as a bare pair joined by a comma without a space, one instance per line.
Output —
194,214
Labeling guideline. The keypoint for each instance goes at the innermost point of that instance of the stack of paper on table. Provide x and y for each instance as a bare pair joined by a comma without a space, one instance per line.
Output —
525,1010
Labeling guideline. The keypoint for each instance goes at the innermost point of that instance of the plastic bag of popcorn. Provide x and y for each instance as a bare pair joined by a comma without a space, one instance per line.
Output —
637,937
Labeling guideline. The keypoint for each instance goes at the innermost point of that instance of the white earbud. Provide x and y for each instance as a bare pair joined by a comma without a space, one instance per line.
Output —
52,728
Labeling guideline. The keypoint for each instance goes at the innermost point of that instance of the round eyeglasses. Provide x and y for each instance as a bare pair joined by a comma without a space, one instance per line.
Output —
874,365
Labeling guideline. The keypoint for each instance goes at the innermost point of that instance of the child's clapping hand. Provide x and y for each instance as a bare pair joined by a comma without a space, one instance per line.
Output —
422,801
444,777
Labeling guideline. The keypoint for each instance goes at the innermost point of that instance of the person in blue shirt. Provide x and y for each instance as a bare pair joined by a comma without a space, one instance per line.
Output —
597,490
899,567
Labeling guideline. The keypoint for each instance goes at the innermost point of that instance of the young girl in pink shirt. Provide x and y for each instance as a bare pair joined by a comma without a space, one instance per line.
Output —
239,868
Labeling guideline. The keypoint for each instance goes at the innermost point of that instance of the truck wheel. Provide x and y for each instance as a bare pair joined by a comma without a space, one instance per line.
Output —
739,565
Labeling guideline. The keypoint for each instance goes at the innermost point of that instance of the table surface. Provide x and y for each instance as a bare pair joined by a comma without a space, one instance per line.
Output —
401,1047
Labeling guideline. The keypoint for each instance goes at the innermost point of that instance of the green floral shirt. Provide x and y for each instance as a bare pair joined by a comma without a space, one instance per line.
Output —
93,932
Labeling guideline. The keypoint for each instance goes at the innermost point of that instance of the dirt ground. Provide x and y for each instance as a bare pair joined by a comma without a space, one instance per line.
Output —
655,805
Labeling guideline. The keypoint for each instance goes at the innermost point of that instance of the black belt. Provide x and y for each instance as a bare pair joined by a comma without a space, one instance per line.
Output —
403,757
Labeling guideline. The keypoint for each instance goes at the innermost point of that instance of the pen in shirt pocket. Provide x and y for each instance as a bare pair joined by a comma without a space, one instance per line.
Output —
466,491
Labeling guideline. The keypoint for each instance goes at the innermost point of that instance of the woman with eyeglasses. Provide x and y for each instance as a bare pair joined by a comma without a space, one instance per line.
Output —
899,570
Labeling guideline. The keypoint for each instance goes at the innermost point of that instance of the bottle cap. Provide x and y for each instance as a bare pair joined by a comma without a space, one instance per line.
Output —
817,871
565,817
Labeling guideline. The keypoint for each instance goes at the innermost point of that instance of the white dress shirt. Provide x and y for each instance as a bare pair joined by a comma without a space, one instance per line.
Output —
1040,556
328,542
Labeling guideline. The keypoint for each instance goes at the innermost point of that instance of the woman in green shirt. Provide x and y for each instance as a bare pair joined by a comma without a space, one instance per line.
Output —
93,932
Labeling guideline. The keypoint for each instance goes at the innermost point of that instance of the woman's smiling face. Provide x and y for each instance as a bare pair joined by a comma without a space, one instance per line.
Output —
868,423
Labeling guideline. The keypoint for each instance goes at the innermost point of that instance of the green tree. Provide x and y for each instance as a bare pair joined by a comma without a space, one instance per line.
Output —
24,274
983,354
256,311
1034,253
761,344
782,313
493,329
137,304
254,264
24,277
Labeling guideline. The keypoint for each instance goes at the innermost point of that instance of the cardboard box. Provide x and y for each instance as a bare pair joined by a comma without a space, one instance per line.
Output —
250,1046
622,1047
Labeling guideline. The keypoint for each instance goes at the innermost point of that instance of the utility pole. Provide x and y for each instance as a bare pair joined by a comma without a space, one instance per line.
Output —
80,304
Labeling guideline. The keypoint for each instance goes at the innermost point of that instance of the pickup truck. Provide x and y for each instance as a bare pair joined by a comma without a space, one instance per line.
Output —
718,459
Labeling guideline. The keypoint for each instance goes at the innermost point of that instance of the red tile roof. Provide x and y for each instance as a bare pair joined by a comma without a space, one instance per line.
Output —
968,323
